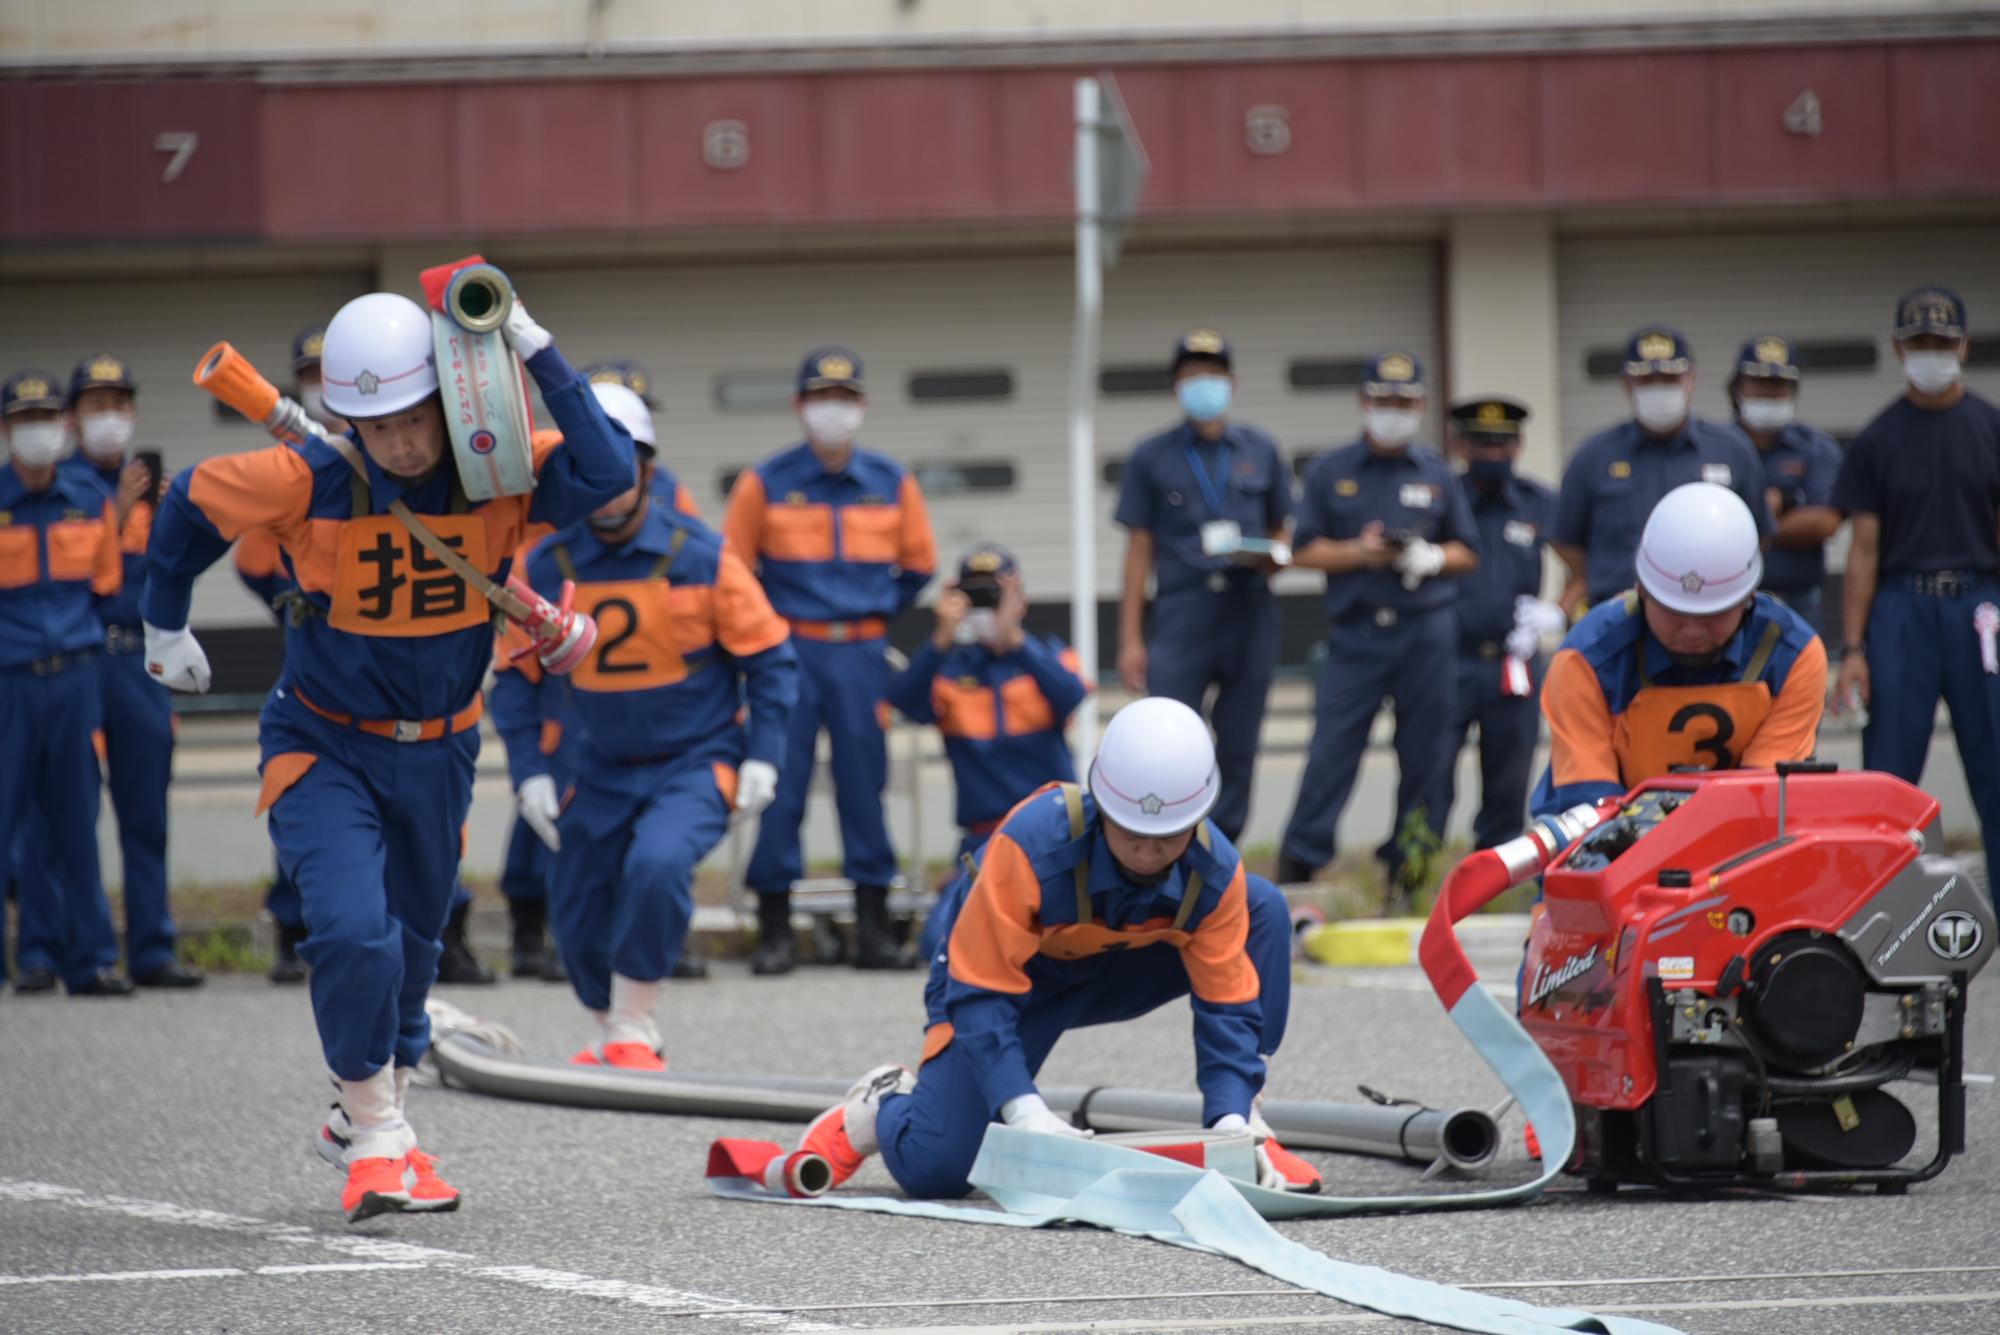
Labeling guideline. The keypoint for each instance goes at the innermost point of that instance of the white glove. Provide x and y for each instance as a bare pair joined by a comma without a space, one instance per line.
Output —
1027,1112
1543,618
523,335
1268,1176
1419,561
174,658
1281,553
756,785
1523,643
539,805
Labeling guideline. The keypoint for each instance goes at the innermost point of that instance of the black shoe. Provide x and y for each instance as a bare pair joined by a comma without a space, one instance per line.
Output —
169,975
1294,871
458,964
690,967
776,952
105,984
530,920
875,943
288,967
34,982
552,965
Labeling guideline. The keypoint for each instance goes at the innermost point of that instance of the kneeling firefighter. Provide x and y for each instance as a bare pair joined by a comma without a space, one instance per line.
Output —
1693,668
1086,908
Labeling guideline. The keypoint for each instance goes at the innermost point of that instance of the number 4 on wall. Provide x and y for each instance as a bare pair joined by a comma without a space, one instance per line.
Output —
180,143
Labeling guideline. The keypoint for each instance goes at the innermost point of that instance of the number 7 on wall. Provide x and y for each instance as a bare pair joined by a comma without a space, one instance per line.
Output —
180,143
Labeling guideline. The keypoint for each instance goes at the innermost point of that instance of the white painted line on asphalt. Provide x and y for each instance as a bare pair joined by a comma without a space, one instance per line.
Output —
1363,1318
382,1253
645,1295
1734,1279
122,1276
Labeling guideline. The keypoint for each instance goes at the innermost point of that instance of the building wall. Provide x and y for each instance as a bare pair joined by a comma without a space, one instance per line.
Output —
71,29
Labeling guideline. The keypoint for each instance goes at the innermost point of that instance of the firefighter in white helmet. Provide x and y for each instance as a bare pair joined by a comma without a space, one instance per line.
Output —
1087,907
1692,667
370,736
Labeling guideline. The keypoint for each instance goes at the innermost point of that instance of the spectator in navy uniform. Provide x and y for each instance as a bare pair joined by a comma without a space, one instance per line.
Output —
1385,518
1204,505
1921,605
1501,616
1800,464
1617,476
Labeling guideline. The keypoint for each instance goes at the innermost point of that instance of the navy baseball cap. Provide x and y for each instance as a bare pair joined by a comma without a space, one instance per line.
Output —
623,372
1767,357
1394,372
1495,420
830,368
1202,343
1930,310
308,347
986,563
26,391
1659,350
101,370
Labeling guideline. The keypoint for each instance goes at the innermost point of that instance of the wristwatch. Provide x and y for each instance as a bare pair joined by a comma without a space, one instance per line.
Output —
1857,648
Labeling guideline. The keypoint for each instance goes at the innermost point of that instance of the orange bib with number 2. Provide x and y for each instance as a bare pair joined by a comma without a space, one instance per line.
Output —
637,649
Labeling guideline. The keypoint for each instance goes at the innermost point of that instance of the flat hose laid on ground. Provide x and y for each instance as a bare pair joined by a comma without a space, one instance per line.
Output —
1462,1137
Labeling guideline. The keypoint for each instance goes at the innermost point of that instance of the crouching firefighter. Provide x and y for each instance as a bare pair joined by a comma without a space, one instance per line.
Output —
1693,668
369,738
1087,908
658,759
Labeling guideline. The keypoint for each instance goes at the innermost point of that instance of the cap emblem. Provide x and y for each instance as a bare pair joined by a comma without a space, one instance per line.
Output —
367,383
314,345
1773,351
835,367
1151,804
105,368
31,387
1656,347
1396,367
1491,414
1692,582
1203,341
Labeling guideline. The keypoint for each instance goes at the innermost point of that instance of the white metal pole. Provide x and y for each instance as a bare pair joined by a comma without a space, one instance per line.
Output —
1082,415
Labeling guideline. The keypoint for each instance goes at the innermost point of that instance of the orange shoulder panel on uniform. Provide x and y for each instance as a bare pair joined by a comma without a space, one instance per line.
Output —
20,555
259,554
1024,707
744,621
684,501
918,550
108,571
964,710
138,529
999,929
1791,730
743,519
1218,970
269,488
1070,659
1581,749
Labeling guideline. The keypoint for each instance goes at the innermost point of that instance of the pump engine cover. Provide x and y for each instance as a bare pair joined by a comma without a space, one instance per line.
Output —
1805,999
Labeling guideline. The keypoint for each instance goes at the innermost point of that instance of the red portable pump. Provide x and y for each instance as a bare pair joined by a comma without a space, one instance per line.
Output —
1731,969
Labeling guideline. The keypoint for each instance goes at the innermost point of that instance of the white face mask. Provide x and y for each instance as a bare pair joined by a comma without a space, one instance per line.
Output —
976,627
104,435
1660,407
1765,414
1391,426
1930,372
831,422
36,444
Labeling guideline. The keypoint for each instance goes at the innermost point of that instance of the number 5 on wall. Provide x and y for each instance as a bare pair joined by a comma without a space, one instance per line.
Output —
180,143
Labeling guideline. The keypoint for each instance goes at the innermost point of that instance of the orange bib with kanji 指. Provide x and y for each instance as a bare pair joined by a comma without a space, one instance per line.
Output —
386,584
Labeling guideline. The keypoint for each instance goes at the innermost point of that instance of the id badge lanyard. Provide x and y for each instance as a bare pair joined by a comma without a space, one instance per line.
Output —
1209,494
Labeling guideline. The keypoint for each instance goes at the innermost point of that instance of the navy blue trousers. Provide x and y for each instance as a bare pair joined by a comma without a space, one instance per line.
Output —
1227,641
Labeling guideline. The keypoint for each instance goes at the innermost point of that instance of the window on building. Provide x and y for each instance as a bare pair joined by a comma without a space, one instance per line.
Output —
958,477
754,391
1327,372
1113,381
961,386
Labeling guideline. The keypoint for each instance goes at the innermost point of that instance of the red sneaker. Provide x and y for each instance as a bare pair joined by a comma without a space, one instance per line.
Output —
1534,1142
627,1056
427,1190
831,1134
1298,1175
374,1186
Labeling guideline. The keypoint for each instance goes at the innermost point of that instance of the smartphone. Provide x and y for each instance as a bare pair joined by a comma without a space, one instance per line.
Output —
153,465
982,593
1400,539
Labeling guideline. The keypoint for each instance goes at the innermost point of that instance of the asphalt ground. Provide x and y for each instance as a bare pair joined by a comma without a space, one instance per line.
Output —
155,1175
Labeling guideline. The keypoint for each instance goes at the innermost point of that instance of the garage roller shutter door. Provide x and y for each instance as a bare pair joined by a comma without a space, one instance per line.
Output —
694,326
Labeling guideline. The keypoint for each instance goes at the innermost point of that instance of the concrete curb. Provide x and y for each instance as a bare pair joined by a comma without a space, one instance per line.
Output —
1392,942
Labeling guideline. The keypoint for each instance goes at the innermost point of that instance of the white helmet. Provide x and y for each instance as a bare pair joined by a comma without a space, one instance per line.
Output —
627,409
1700,553
378,356
1155,771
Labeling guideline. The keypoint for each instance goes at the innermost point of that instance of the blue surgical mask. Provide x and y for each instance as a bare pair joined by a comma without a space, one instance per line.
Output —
1490,472
1204,397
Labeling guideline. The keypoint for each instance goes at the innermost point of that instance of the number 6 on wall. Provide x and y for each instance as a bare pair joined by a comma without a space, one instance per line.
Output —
180,143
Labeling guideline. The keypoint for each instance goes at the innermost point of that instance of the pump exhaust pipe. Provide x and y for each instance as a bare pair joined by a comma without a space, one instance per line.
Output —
1461,1137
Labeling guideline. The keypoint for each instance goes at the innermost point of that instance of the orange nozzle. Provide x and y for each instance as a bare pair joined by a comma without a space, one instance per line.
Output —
228,374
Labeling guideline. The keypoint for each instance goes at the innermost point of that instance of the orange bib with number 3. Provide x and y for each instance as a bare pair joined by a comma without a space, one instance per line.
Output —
637,649
1704,726
386,584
